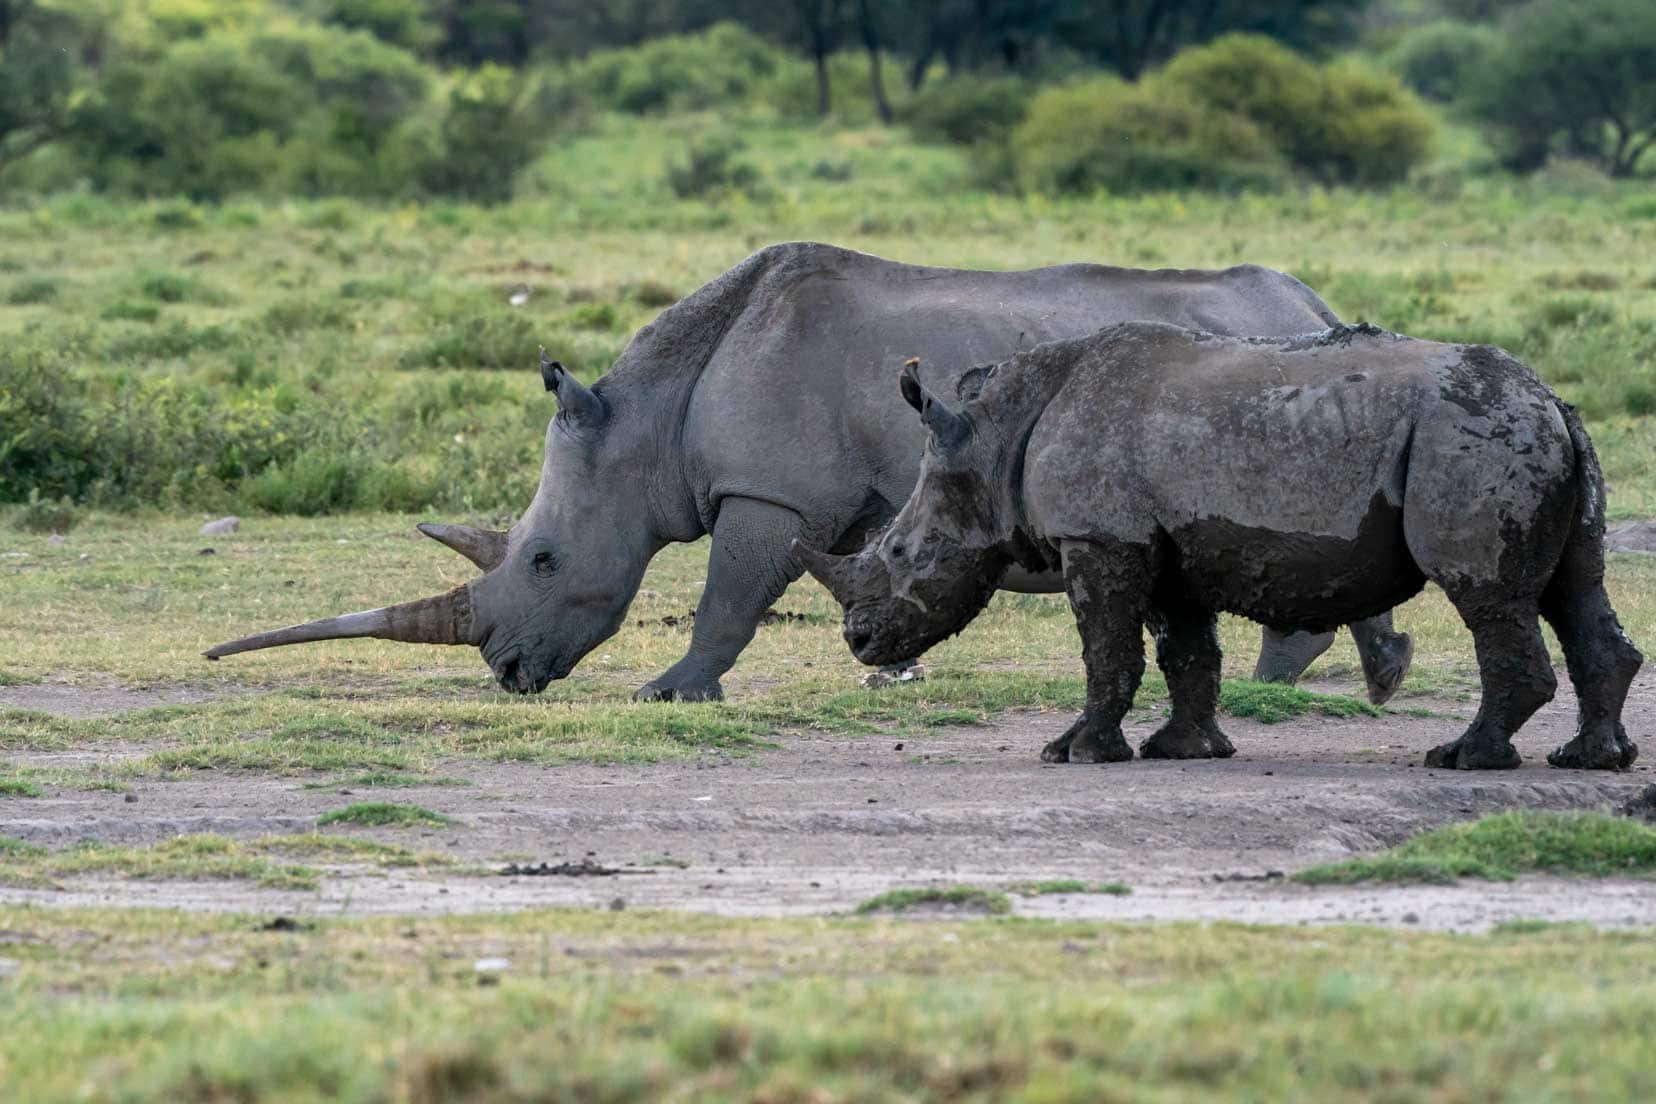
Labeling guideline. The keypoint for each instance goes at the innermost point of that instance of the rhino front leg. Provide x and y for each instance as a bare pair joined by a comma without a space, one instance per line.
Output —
1385,655
1109,590
749,568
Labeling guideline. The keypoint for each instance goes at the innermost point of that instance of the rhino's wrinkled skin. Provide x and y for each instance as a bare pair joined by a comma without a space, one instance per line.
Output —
761,410
1172,474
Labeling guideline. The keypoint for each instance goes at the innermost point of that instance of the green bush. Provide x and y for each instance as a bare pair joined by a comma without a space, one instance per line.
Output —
32,290
295,109
1436,60
305,109
1105,135
41,516
496,124
1337,123
711,165
719,67
968,110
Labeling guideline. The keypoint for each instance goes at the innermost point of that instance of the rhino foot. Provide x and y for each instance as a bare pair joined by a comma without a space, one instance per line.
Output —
1183,740
1087,742
1596,749
1472,753
1385,664
661,690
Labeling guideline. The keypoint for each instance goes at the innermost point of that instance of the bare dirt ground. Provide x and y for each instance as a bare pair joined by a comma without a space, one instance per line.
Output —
823,823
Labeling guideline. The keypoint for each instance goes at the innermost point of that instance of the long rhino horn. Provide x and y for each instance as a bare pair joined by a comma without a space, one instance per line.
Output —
483,547
833,572
443,619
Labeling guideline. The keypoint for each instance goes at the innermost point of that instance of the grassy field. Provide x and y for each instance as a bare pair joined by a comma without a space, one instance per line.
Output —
130,600
322,356
164,363
141,1007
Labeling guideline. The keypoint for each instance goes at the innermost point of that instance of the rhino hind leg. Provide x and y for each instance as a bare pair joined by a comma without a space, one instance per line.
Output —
1516,676
748,569
1187,651
1601,660
1109,590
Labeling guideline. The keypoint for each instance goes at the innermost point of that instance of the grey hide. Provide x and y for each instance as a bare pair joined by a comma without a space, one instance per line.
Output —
1173,474
763,409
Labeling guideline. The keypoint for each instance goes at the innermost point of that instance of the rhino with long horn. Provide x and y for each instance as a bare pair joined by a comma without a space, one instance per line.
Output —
759,411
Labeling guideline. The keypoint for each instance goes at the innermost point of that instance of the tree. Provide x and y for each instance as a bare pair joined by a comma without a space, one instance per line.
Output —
868,23
39,48
1132,35
1581,75
819,26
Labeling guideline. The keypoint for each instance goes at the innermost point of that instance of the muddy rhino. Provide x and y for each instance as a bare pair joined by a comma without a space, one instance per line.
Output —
1172,474
760,410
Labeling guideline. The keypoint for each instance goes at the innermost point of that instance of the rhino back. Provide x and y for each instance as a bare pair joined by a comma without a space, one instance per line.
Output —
798,404
1153,428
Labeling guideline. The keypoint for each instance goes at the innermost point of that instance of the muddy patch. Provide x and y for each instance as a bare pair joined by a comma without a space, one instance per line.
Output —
80,702
823,823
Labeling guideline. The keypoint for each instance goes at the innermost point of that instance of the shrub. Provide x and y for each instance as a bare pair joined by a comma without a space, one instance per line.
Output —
291,108
1575,77
32,290
1105,135
968,110
711,166
719,67
45,435
41,516
1339,123
1437,60
495,124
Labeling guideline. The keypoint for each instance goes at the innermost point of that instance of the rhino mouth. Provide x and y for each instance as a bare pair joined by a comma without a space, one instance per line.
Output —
523,676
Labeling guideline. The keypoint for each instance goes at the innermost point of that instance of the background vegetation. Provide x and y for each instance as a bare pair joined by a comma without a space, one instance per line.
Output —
276,254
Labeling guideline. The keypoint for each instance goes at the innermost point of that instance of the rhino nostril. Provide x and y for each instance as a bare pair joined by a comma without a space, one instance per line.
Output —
506,674
858,638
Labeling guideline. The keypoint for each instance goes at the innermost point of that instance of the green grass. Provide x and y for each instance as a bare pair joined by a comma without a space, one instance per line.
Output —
959,898
326,355
19,787
1502,846
1272,703
1070,885
271,862
382,814
157,1006
388,780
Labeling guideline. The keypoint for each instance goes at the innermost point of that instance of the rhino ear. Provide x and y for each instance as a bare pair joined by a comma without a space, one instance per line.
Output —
948,429
909,383
575,402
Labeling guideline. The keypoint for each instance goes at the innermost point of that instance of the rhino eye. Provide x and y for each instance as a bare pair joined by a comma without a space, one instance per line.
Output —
897,551
543,563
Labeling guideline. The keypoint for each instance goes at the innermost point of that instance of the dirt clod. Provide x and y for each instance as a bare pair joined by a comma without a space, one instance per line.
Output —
1642,805
586,868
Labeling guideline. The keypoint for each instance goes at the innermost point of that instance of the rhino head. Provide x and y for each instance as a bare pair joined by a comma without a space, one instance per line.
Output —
555,586
942,557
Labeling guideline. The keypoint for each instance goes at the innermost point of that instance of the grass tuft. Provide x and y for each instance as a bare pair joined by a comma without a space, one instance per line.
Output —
964,898
1272,703
382,814
1501,847
18,787
1070,885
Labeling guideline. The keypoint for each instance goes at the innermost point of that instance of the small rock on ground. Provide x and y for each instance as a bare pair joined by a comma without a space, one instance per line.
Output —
221,526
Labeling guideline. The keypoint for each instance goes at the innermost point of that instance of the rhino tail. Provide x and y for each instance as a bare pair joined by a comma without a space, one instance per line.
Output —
1587,526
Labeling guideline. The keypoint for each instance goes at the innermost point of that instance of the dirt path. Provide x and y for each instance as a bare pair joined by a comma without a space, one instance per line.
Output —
823,823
